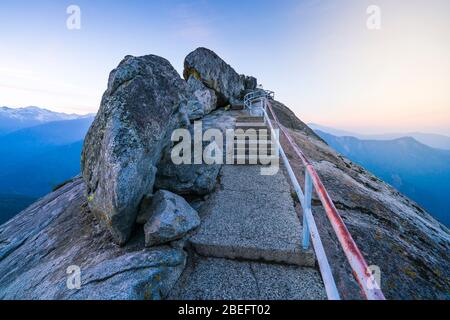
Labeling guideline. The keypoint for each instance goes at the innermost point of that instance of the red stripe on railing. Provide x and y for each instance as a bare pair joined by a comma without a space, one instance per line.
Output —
354,256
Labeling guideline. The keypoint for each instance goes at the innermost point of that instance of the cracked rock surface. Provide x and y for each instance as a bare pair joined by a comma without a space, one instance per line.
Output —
392,231
39,244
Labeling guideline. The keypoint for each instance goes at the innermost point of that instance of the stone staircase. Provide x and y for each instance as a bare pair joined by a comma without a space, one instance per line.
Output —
249,243
253,143
252,216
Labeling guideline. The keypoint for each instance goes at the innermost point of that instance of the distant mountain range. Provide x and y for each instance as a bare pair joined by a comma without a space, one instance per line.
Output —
437,141
39,149
420,172
12,119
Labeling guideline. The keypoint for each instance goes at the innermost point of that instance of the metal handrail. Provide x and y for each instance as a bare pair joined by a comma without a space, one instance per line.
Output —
309,224
257,95
354,256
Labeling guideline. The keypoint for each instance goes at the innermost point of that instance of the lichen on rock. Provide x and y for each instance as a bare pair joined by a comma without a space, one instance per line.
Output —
144,102
202,100
170,218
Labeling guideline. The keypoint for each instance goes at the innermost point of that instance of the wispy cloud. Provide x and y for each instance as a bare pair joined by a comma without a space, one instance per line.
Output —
192,21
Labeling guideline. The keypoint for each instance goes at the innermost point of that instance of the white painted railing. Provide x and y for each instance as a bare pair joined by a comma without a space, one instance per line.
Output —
310,231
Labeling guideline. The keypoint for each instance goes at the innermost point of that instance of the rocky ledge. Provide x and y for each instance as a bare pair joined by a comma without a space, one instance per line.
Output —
38,247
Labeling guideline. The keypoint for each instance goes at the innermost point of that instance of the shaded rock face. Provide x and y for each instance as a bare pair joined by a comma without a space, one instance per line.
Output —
39,245
250,83
205,65
202,100
194,179
144,102
170,218
186,179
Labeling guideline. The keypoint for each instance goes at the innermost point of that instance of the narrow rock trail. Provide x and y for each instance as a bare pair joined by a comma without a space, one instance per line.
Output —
248,246
252,216
249,243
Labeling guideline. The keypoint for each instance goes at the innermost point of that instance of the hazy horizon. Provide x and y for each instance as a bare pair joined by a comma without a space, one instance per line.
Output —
318,56
371,133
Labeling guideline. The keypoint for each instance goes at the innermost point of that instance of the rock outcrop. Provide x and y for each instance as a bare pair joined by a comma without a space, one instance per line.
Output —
170,218
202,100
38,247
186,179
193,179
206,66
144,102
250,83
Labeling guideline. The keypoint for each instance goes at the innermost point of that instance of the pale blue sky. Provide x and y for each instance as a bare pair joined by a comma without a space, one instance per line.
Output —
318,56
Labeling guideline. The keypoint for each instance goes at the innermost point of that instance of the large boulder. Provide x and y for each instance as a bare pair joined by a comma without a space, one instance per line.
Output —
170,218
145,100
202,100
250,83
186,179
205,65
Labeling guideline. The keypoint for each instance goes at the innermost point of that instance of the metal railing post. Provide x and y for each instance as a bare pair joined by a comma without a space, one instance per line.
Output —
307,206
265,110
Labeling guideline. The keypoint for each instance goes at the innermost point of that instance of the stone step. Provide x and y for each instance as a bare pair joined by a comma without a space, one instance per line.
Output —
253,149
247,148
253,141
269,147
263,145
250,158
254,144
253,159
255,126
249,119
252,217
237,107
248,130
255,252
251,145
251,133
252,155
224,279
253,138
